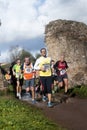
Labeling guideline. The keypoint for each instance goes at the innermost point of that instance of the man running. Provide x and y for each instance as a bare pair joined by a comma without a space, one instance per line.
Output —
43,65
61,68
28,75
18,77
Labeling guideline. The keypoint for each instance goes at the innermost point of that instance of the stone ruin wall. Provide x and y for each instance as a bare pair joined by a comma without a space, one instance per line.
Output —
1,81
70,38
1,77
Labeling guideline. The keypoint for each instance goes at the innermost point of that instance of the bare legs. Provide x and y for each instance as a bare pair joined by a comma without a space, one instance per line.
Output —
65,83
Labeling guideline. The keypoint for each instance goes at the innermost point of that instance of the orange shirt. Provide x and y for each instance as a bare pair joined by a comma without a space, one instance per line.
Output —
28,72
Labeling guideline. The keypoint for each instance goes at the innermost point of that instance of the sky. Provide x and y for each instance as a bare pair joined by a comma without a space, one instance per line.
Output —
23,21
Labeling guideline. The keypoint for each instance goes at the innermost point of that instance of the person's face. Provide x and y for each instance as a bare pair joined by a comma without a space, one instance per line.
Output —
27,61
18,62
52,62
62,58
8,72
43,52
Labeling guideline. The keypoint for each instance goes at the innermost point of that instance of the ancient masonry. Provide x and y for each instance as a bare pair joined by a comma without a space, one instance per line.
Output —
70,38
1,76
1,81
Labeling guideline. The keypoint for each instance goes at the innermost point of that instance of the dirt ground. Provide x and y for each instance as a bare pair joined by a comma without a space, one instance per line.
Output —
71,115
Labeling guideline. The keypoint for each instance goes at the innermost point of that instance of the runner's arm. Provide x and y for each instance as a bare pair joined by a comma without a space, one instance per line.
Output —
36,65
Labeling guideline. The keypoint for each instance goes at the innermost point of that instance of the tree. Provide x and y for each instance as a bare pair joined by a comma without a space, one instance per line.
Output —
0,22
17,52
24,54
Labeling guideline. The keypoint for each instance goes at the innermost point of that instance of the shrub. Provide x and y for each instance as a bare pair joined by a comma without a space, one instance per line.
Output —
80,91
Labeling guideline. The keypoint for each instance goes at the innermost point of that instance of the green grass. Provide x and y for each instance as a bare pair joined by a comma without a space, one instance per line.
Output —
18,115
79,91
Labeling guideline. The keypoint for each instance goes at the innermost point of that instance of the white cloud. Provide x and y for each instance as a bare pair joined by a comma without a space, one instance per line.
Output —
4,56
25,19
61,9
19,20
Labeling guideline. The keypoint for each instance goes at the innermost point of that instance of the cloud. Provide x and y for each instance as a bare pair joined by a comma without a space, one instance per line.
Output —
61,9
23,21
4,56
19,20
27,19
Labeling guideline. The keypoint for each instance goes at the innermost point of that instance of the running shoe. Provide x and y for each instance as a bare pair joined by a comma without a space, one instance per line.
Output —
50,104
33,101
44,99
20,96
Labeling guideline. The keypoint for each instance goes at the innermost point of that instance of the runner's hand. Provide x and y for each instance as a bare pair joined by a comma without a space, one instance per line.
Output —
14,73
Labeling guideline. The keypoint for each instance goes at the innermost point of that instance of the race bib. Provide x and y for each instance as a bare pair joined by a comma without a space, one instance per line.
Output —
28,70
62,72
47,67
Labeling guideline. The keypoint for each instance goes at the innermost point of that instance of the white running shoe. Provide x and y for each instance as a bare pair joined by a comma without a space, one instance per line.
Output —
17,94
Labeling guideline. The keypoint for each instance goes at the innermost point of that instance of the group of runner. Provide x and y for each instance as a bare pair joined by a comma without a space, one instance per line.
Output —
48,72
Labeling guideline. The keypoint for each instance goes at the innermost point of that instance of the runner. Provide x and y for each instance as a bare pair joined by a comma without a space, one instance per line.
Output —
43,65
18,77
54,78
61,69
28,74
8,77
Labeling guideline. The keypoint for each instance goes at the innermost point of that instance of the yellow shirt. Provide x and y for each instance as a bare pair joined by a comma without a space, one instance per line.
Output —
45,63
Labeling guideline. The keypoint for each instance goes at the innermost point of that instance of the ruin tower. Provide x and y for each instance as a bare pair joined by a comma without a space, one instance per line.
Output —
70,38
1,76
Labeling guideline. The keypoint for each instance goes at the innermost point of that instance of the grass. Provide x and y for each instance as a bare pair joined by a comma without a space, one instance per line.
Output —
18,115
79,91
